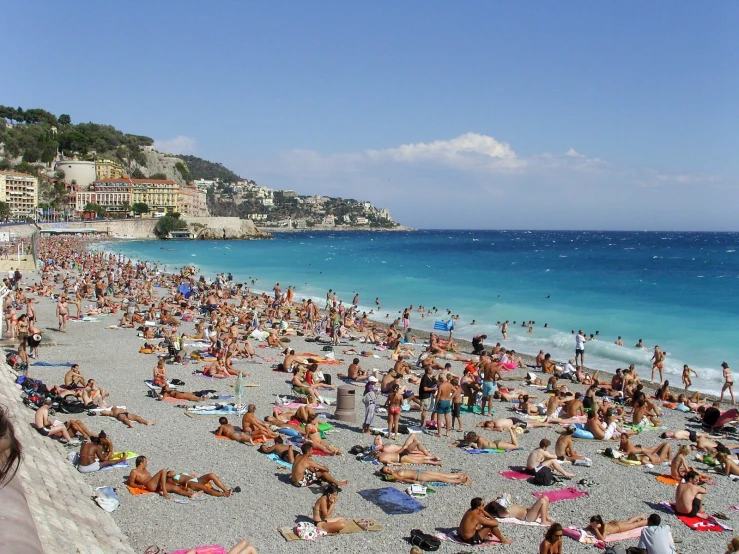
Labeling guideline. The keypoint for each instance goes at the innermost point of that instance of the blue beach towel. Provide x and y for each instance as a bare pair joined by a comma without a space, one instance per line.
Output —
392,501
49,364
444,325
484,451
279,461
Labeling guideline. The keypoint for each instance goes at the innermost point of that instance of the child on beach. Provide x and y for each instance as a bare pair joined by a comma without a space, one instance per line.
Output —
456,404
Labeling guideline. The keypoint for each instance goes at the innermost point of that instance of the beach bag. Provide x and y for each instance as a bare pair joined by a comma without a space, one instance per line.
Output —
544,477
424,541
72,405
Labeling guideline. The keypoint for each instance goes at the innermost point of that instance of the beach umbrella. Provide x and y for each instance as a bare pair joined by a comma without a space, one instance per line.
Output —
239,388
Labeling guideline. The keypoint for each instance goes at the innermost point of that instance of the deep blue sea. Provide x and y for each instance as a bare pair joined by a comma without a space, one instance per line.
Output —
677,290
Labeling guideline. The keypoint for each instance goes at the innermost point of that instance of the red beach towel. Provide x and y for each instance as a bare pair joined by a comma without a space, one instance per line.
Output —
516,475
561,494
698,523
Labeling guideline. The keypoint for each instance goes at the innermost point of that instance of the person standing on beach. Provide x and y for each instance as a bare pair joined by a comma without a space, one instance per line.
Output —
580,340
728,383
426,391
62,311
490,374
686,376
658,362
444,395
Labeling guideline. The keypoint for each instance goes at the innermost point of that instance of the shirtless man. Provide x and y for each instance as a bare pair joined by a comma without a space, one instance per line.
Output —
225,429
541,457
124,416
472,439
539,511
658,362
307,472
62,311
73,378
407,455
574,407
141,478
258,428
166,392
490,373
444,394
503,424
645,454
477,525
50,429
565,450
284,451
424,476
641,416
355,372
689,496
95,455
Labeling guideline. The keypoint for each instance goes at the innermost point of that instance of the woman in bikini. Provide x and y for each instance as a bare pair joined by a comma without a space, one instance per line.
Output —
125,417
323,508
601,530
424,476
679,466
160,373
313,435
552,543
394,401
473,440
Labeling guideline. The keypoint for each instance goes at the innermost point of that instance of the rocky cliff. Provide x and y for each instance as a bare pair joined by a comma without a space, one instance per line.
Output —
157,162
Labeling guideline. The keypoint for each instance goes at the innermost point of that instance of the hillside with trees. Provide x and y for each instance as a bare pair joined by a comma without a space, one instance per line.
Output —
203,169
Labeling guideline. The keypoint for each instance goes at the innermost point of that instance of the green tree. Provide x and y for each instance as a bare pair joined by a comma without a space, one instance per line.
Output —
137,174
167,223
4,210
158,175
64,119
140,208
182,168
97,209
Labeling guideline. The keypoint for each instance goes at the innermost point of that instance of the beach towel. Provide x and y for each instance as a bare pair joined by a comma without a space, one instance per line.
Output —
696,523
585,537
49,364
211,549
392,501
485,450
107,498
352,526
229,409
515,521
452,536
515,475
444,325
667,480
562,494
136,490
279,461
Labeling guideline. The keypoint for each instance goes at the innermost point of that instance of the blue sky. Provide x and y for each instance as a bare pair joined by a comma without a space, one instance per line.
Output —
451,114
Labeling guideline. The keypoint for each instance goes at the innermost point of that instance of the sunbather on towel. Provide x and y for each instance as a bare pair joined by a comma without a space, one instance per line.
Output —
284,451
94,455
601,530
411,444
258,428
565,449
124,416
645,454
313,434
679,467
141,478
473,440
425,476
477,525
197,396
204,483
540,457
323,508
504,507
227,430
505,423
689,496
307,472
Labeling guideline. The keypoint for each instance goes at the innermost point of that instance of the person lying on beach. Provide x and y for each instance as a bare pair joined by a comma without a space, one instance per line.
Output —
705,442
205,484
541,457
604,430
477,525
565,449
141,478
313,434
689,496
503,507
507,395
473,440
196,396
258,429
601,530
322,510
424,476
225,429
124,416
503,424
307,472
728,465
524,405
95,455
713,419
645,454
412,444
284,451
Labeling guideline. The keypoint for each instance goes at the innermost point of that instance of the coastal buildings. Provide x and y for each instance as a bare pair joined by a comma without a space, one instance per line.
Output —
20,192
82,173
161,195
192,201
112,194
107,169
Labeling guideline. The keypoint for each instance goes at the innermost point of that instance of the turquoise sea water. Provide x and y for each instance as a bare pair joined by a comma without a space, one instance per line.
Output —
677,290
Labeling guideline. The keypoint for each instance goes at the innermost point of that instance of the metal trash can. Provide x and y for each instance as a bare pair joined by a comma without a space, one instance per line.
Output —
345,403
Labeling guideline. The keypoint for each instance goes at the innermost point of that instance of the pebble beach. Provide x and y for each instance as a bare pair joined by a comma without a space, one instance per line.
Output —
268,501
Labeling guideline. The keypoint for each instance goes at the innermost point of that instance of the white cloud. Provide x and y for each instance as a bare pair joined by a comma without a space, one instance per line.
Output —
177,145
573,153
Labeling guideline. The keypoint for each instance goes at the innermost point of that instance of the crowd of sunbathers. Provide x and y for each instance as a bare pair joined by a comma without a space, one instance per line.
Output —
227,317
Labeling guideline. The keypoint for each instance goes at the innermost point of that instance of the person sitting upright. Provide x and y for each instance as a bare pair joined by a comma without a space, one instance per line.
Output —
95,455
477,525
324,507
306,471
540,458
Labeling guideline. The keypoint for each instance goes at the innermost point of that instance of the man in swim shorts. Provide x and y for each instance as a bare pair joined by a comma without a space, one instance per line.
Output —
426,391
477,525
306,471
689,496
444,404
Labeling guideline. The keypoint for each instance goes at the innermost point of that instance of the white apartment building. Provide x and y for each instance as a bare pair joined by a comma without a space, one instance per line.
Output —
20,192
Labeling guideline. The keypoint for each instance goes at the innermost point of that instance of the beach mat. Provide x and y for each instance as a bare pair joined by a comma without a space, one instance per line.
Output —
49,364
584,537
484,451
392,501
352,526
709,523
570,493
136,491
279,461
667,480
210,549
452,536
516,475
